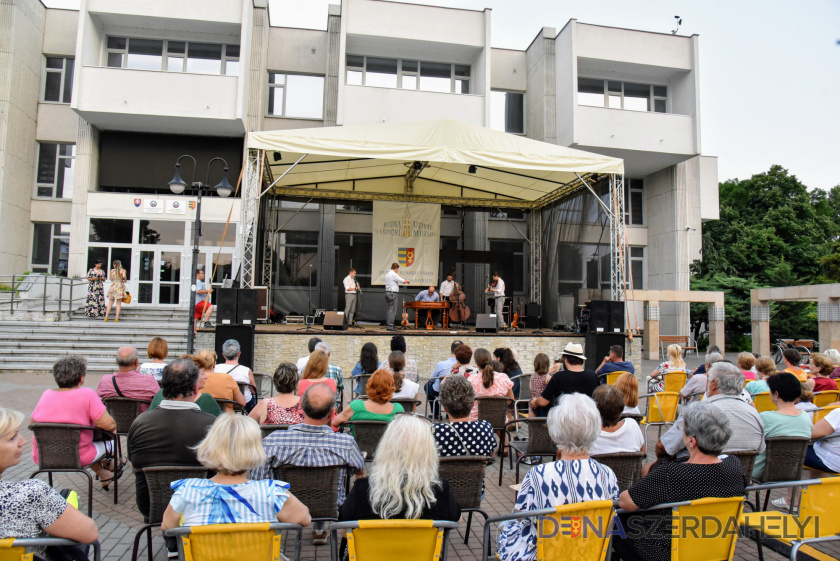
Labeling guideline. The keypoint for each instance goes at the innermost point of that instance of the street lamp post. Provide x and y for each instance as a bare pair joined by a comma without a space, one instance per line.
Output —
224,189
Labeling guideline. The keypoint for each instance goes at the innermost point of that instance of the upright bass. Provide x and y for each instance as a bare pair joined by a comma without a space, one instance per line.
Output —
459,312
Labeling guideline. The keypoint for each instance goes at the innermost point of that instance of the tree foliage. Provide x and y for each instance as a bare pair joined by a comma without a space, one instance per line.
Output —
772,231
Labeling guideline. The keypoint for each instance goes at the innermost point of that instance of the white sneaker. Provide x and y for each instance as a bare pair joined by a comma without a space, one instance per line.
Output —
780,503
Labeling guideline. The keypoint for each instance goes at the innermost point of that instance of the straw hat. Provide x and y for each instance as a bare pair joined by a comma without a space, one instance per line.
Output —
573,349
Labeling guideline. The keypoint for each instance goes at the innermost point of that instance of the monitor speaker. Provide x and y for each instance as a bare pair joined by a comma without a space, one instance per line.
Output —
486,323
246,310
334,321
226,302
244,334
598,346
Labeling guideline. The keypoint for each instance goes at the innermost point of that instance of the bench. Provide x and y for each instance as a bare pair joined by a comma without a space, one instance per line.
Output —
684,341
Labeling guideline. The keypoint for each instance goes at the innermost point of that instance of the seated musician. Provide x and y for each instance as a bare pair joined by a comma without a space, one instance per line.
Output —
430,295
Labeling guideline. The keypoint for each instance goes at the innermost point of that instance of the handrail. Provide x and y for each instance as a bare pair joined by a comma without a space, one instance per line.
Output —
68,290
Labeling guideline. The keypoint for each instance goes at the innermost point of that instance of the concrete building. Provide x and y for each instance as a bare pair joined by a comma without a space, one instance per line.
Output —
96,105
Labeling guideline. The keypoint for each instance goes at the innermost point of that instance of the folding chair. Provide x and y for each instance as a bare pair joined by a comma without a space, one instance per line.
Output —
826,398
222,542
524,394
661,410
762,402
386,540
537,445
21,549
557,540
465,475
627,466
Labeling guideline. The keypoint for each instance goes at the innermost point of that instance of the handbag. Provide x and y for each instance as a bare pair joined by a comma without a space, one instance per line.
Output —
127,298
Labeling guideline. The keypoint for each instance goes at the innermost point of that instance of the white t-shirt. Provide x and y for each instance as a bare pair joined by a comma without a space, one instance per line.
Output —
628,438
349,285
301,364
829,450
239,373
408,391
446,288
153,369
807,407
631,411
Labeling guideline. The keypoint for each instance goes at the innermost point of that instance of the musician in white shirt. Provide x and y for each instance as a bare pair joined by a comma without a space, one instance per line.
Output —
499,294
446,287
392,287
350,292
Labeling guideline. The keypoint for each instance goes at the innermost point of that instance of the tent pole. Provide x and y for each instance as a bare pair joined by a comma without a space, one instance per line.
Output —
282,175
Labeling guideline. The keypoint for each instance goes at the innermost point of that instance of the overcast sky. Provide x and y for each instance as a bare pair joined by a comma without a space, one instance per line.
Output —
769,69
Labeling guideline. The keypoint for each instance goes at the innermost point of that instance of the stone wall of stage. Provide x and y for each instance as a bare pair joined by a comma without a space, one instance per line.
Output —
427,350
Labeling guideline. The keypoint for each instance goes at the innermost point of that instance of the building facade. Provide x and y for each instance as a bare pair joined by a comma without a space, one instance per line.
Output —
96,105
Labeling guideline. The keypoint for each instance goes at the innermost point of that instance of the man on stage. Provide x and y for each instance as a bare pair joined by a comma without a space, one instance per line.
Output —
350,287
446,287
203,307
498,293
392,287
430,295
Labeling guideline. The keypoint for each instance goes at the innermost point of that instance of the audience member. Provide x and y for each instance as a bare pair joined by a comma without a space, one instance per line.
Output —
574,424
284,408
461,436
510,367
167,435
74,404
313,444
694,389
702,368
368,364
574,379
614,362
316,371
241,374
463,355
539,379
834,356
617,434
675,363
791,360
333,370
218,384
377,406
824,455
442,368
765,367
707,429
157,351
30,508
746,362
410,372
821,369
628,385
487,382
128,381
806,400
232,448
301,362
403,387
204,360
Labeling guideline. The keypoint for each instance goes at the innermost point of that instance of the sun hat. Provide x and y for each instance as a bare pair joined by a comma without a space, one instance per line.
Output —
573,349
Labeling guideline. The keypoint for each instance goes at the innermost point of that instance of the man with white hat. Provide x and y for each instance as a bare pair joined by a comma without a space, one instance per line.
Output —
573,379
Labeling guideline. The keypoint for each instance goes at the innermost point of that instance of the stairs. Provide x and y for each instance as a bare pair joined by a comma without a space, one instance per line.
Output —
33,346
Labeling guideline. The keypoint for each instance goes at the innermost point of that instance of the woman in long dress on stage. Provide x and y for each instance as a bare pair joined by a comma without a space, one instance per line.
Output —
117,291
95,305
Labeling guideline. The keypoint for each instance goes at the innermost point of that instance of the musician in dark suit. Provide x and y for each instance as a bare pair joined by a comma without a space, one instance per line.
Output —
430,295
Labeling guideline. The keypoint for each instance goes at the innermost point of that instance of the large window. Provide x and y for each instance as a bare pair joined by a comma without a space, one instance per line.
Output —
408,74
50,248
354,250
622,95
55,170
58,79
588,266
172,56
295,95
110,230
507,112
634,197
298,259
161,232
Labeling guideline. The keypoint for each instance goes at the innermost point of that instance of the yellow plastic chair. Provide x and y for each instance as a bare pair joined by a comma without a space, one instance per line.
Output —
762,402
820,414
20,549
567,536
826,398
233,542
675,380
687,544
661,410
613,376
385,540
817,520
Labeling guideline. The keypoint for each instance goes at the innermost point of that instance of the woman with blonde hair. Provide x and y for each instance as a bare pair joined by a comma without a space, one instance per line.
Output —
205,360
315,372
218,384
232,448
675,362
117,291
628,385
403,387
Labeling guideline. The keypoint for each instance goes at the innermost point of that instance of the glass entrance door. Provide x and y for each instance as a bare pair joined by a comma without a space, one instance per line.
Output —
160,279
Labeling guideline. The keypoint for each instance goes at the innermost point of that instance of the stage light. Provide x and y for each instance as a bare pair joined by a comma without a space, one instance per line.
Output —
418,166
472,169
278,156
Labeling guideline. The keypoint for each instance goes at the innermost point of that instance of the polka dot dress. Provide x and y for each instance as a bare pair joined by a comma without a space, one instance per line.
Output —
473,438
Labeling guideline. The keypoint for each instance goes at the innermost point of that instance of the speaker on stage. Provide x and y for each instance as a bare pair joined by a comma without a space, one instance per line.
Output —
599,320
486,323
226,303
598,346
616,317
246,306
244,334
532,315
334,321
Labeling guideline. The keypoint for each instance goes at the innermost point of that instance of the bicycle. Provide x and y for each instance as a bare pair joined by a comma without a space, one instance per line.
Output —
804,346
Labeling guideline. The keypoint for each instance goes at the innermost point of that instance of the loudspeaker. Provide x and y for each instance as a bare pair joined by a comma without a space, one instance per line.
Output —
598,346
246,306
532,315
244,334
226,306
334,321
486,323
263,313
616,317
599,320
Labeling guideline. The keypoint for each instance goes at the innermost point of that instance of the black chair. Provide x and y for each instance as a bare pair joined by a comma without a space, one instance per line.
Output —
316,487
363,380
223,405
783,462
537,445
268,429
465,475
265,385
627,466
493,409
124,410
367,435
408,405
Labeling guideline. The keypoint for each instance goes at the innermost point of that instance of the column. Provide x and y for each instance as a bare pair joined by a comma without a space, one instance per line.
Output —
717,326
86,179
326,259
475,238
828,316
760,317
651,340
333,63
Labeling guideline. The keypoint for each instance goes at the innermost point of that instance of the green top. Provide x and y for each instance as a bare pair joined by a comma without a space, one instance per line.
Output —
205,401
362,414
757,386
776,424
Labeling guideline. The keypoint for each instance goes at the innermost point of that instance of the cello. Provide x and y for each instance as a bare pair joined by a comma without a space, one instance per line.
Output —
459,312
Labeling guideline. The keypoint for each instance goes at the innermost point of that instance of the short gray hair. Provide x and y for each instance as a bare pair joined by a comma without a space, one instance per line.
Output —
322,346
709,425
574,423
127,359
712,358
457,396
729,378
69,371
231,349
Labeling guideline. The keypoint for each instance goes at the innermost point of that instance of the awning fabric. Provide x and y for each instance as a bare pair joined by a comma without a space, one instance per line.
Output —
373,162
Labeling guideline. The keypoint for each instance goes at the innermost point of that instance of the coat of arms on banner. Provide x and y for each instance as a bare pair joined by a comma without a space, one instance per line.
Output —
191,204
405,255
137,202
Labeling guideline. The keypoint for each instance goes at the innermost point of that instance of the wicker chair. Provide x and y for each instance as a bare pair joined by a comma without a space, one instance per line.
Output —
265,385
465,475
316,487
494,410
524,393
367,435
223,405
408,405
784,458
58,452
747,458
124,410
537,445
627,466
268,429
363,380
158,481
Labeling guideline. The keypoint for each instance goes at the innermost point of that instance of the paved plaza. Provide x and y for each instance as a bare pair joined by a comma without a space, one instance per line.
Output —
119,523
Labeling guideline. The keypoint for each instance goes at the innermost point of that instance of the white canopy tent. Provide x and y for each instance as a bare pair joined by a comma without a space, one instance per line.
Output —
440,161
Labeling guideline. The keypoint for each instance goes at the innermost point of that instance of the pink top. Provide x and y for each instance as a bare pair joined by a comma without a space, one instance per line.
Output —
500,386
303,384
279,415
748,374
79,406
131,384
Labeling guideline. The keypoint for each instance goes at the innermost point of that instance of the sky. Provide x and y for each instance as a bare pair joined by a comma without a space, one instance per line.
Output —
769,69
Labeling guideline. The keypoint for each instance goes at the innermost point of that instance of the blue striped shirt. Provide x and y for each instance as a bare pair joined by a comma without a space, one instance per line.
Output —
202,501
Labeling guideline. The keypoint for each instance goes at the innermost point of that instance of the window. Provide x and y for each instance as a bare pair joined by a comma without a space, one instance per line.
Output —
172,56
298,259
356,251
637,260
212,232
408,74
507,112
110,230
634,197
58,79
161,232
295,95
55,170
622,95
50,248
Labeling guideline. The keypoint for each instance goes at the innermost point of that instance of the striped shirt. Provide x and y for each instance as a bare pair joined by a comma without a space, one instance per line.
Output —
311,446
334,372
202,501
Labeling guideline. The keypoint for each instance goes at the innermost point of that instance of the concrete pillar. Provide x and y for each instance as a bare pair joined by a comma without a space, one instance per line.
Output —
326,259
333,60
87,179
257,69
541,90
760,316
475,238
717,326
651,347
828,315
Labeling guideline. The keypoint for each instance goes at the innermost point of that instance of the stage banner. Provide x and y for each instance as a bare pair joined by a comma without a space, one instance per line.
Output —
408,234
